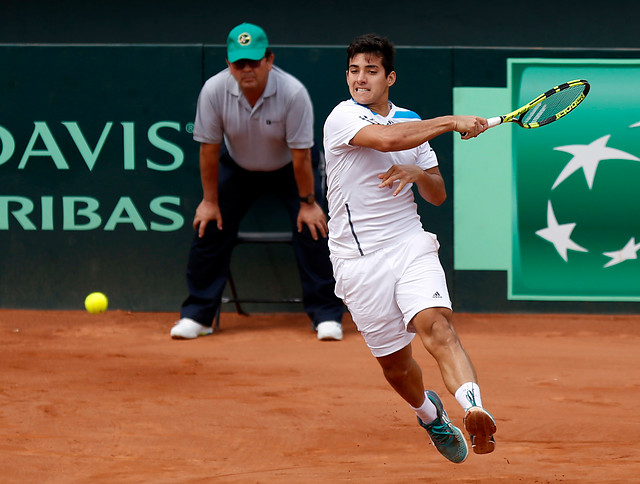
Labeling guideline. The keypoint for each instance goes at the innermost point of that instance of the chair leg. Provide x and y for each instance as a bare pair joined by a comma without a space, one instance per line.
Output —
234,295
217,325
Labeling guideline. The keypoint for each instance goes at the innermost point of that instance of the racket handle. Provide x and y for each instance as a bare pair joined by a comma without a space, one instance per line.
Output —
491,122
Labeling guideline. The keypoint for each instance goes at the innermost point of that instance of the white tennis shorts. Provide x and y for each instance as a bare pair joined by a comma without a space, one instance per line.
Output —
384,290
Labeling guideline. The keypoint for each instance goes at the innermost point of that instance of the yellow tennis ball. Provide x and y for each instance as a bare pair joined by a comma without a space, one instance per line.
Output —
96,303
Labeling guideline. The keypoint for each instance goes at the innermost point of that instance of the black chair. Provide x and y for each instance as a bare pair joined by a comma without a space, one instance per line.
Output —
255,238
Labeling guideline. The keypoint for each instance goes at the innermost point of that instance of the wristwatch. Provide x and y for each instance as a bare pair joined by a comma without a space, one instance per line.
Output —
308,199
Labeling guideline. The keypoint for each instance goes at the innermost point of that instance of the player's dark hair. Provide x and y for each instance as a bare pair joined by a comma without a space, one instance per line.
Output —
373,44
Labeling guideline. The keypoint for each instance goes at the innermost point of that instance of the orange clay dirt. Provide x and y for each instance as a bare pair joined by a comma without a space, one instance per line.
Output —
111,398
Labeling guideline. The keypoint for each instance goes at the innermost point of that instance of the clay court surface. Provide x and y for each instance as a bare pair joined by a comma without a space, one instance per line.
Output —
112,399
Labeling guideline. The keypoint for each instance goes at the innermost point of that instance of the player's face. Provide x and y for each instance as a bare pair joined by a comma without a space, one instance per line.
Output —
368,83
251,75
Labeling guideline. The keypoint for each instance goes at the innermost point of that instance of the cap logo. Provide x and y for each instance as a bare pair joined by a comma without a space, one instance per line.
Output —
244,38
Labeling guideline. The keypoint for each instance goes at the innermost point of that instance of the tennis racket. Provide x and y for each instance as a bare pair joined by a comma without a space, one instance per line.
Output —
548,107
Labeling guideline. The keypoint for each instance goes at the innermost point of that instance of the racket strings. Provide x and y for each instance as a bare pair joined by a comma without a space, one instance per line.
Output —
552,105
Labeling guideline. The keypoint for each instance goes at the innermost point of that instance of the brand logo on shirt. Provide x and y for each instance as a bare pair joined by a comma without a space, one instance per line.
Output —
372,120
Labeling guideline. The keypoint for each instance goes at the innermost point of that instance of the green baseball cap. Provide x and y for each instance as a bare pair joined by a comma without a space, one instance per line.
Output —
246,41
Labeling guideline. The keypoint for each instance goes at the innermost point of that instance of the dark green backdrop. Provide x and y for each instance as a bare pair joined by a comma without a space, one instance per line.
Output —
141,98
143,176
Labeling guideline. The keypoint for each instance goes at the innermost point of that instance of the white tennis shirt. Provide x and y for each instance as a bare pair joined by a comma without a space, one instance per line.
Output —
258,138
363,217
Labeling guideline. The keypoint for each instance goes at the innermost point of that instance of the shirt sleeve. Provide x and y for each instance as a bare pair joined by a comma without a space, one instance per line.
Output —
208,127
341,126
426,156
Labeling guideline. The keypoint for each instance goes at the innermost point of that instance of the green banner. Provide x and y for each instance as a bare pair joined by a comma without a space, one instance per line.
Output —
576,230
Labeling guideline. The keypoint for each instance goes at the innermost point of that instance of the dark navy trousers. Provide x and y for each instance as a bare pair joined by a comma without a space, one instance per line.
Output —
210,256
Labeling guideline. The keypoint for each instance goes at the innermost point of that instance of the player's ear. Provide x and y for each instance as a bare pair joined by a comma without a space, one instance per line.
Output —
391,78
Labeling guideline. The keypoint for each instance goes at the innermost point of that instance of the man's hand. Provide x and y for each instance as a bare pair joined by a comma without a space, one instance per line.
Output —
313,216
402,173
469,126
205,213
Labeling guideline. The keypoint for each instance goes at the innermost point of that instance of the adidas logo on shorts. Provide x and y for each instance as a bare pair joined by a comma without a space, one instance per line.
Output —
436,295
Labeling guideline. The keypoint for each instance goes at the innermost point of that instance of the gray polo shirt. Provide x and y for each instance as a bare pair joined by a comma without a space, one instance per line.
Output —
258,138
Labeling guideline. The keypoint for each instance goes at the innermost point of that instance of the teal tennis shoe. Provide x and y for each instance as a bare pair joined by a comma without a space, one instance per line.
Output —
446,437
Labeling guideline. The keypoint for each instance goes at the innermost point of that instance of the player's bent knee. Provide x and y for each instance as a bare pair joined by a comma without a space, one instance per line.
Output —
432,319
442,334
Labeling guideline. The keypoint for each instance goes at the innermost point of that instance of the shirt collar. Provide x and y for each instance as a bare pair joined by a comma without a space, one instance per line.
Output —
269,90
391,108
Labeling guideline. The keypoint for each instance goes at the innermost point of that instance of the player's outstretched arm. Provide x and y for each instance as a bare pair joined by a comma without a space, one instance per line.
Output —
404,136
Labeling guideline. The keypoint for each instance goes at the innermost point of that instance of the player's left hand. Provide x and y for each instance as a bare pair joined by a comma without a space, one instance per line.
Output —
400,173
313,216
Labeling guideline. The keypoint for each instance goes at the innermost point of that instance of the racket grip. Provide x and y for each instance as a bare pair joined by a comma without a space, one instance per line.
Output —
491,122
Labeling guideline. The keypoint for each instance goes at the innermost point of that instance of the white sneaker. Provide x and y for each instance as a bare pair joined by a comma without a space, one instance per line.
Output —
187,328
329,330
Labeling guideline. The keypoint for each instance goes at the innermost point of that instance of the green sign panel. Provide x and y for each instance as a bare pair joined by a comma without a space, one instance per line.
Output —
575,224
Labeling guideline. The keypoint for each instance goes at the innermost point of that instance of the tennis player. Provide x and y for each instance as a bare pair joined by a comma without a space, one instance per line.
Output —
385,264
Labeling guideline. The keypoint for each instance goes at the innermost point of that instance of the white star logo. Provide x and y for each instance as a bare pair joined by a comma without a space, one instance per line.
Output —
587,157
628,252
559,235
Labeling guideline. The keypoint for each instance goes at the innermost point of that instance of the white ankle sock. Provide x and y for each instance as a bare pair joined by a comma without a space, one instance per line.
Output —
427,411
468,395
